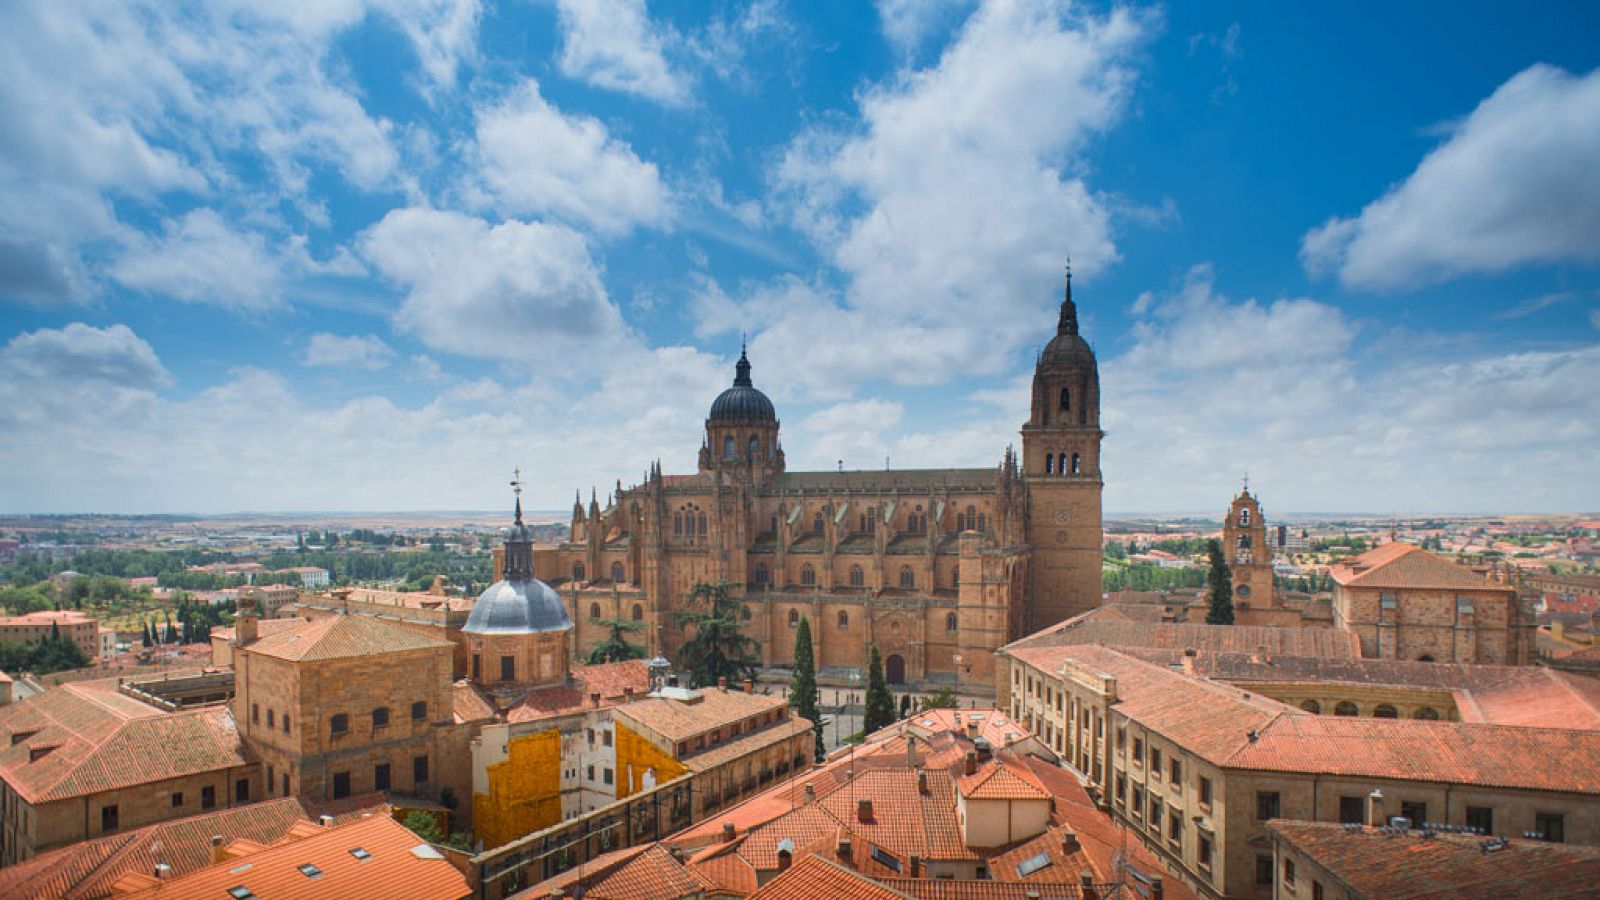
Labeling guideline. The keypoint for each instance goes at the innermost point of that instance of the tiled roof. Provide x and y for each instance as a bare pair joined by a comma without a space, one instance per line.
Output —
467,704
1105,625
746,744
885,480
264,628
1400,565
676,720
971,889
408,599
812,877
609,680
391,868
653,873
343,636
998,781
87,870
100,740
1375,863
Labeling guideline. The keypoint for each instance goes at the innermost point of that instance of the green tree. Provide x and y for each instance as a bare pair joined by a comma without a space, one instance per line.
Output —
803,694
880,703
944,699
718,648
616,648
147,640
1221,583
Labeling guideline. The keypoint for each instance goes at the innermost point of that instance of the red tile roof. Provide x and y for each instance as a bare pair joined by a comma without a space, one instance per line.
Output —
343,636
1000,781
813,877
468,705
609,680
1399,565
1105,625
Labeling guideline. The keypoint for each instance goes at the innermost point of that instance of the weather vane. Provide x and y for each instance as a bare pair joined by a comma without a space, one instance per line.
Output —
516,481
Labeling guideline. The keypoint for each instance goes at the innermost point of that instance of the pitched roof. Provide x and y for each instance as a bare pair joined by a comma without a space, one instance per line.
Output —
1105,625
397,864
1399,565
813,877
609,680
1001,782
264,628
337,637
89,738
1409,866
677,720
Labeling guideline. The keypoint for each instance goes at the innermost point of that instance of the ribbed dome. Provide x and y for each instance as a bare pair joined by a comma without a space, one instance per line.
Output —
517,607
1067,349
743,401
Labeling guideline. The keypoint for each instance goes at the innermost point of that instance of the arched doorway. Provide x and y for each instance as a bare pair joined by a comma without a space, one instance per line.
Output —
894,669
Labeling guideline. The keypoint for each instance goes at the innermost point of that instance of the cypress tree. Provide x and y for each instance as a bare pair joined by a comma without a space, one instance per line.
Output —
147,640
803,693
1221,582
880,703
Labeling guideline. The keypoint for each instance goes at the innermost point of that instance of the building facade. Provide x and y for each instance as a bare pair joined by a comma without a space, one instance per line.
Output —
937,567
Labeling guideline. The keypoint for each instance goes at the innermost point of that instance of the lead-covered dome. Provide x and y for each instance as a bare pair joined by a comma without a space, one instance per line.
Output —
518,607
743,401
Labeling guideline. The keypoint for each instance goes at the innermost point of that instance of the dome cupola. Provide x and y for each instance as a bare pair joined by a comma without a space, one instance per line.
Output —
742,402
518,603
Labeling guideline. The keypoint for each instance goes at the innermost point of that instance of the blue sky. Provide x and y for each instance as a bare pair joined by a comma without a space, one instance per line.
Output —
372,254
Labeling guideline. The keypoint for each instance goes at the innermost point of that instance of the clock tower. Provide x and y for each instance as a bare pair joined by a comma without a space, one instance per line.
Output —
1244,542
1061,467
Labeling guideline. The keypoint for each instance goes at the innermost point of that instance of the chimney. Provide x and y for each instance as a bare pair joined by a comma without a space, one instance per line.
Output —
811,792
728,832
1158,888
785,856
922,782
916,865
627,694
1086,883
1069,841
245,628
163,871
722,683
594,697
844,848
864,809
217,853
971,765
1375,817
325,821
749,685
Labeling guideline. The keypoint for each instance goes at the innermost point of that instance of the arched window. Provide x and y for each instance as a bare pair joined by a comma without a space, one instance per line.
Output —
761,575
594,610
1066,398
816,524
1077,464
727,447
908,578
702,524
745,612
638,613
1385,711
794,617
808,575
950,622
872,519
857,578
617,573
844,619
1428,713
1346,708
1311,706
1244,518
1049,463
578,572
754,447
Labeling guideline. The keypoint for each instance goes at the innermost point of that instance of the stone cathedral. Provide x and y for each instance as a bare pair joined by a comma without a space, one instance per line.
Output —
937,567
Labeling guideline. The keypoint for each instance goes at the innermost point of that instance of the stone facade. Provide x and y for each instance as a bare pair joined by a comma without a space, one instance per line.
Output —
938,567
1244,543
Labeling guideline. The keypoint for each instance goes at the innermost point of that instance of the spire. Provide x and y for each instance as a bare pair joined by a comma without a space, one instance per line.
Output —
1069,311
516,487
518,565
741,369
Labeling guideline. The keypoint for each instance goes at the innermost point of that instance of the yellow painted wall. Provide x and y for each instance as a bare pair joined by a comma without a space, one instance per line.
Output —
524,790
642,755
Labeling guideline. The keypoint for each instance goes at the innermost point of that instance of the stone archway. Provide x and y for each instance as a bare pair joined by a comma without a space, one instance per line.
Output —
894,669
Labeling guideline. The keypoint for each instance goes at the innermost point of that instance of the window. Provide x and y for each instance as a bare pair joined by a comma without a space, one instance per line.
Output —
908,578
727,447
1205,791
1077,464
1481,818
816,524
1316,890
1138,802
857,578
610,777
380,717
808,575
285,719
108,817
754,447
1352,810
177,799
240,892
637,613
794,618
1177,773
591,772
419,770
285,780
618,573
1066,398
380,777
702,525
508,668
579,573
309,870
1138,751
1288,872
241,791
271,719
1550,827
1416,812
1311,706
255,713
1155,755
341,785
1155,815
605,738
1263,869
844,619
1175,827
1426,712
594,610
1203,851
1266,805
1346,708
762,576
1049,463
339,724
1384,711
477,667
208,797
1122,787
950,621
419,711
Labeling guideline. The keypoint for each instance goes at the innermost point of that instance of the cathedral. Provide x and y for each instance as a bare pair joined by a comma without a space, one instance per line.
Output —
937,567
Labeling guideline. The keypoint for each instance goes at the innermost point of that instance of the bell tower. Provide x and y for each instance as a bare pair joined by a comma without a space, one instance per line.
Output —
1244,543
1061,467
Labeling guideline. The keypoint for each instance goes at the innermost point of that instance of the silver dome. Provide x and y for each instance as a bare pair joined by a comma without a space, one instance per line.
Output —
518,607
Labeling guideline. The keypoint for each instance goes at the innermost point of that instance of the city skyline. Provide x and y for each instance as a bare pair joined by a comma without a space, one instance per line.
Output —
372,256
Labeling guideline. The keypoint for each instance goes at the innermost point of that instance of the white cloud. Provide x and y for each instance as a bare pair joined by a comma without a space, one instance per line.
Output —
908,23
514,291
356,351
613,44
1513,185
855,432
532,158
1594,318
79,354
202,259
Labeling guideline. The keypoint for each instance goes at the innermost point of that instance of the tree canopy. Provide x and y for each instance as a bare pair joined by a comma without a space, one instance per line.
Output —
880,703
1221,583
718,647
803,693
616,647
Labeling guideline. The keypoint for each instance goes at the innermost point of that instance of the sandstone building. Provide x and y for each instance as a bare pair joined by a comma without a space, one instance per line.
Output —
938,567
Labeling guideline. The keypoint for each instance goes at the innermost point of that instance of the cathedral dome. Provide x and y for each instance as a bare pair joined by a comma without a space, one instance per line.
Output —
743,401
1067,349
517,607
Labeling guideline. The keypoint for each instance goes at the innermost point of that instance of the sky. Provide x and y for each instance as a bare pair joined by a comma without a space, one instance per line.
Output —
375,254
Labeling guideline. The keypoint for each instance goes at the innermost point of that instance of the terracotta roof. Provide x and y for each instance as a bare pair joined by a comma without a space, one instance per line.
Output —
90,739
1408,866
998,781
1105,625
677,720
87,870
467,704
407,599
609,680
813,877
337,637
970,889
392,868
1399,565
264,628
746,744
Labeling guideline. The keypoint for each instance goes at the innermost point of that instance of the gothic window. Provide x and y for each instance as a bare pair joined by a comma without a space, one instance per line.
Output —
702,524
1244,518
872,519
794,617
677,524
950,622
844,619
808,575
754,447
1049,463
617,573
1066,398
1077,464
594,610
908,579
761,575
816,523
857,579
955,577
638,613
983,522
578,572
727,447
